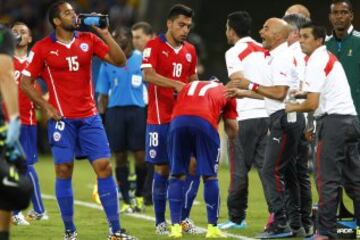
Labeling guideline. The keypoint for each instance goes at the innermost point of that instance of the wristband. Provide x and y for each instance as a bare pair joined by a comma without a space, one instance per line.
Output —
253,86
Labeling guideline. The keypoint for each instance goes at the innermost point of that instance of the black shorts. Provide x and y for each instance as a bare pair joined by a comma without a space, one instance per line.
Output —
125,127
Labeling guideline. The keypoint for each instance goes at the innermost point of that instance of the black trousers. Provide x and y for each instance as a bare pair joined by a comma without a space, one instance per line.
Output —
245,150
298,188
337,164
281,150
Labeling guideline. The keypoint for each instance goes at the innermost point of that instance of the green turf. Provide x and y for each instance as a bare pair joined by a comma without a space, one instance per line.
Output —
91,223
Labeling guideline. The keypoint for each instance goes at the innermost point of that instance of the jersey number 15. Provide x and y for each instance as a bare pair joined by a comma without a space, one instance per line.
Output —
73,63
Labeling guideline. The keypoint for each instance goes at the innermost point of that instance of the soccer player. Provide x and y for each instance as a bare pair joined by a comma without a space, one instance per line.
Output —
75,129
285,129
28,133
121,94
248,148
9,95
193,132
338,129
168,63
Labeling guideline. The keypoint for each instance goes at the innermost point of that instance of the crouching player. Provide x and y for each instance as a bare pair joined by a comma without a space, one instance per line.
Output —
193,132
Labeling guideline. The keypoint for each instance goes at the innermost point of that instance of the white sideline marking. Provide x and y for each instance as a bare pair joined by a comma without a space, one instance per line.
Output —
135,215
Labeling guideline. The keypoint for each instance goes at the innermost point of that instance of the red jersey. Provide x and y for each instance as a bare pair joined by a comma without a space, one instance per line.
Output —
178,64
205,99
26,106
67,71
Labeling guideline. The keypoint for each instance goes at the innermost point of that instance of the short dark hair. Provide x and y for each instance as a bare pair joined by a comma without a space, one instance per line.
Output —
16,23
343,1
180,9
296,20
317,31
145,26
240,22
54,12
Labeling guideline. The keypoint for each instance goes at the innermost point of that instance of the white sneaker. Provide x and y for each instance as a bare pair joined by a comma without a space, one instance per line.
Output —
70,235
19,219
33,215
162,229
188,226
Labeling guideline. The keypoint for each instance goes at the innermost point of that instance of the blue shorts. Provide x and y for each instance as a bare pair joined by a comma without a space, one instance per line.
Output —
81,138
156,143
193,136
28,141
125,128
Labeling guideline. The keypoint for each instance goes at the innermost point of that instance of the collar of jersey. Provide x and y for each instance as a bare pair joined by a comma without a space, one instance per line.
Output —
163,39
349,33
54,39
279,49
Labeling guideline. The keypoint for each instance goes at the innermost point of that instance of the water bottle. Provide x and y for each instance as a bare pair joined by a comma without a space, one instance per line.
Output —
99,20
291,116
18,38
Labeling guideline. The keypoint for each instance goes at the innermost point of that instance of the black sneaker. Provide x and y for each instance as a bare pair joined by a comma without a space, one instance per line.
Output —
298,232
276,231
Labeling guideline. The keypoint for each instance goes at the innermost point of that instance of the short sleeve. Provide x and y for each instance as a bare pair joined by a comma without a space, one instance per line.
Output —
100,48
314,78
103,82
150,55
36,62
233,62
7,42
230,109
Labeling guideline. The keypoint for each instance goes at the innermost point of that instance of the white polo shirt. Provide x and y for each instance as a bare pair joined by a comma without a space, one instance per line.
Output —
247,56
279,71
324,74
299,63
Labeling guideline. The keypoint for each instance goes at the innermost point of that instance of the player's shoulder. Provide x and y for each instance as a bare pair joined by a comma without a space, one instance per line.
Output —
84,35
189,46
158,40
356,34
43,44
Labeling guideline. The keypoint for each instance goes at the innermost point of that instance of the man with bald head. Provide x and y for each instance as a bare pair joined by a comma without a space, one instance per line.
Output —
285,131
298,9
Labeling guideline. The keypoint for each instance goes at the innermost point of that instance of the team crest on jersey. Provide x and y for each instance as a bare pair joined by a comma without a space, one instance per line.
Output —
146,53
188,57
84,47
56,136
152,153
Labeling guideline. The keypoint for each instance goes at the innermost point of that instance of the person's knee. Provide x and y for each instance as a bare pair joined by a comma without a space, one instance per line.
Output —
192,167
207,178
139,158
162,170
102,168
178,176
64,170
121,159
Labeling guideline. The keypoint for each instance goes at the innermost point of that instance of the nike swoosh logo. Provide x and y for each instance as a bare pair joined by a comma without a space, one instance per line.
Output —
8,183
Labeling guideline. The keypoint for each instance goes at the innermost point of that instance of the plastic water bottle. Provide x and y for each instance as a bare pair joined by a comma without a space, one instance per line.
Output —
99,20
